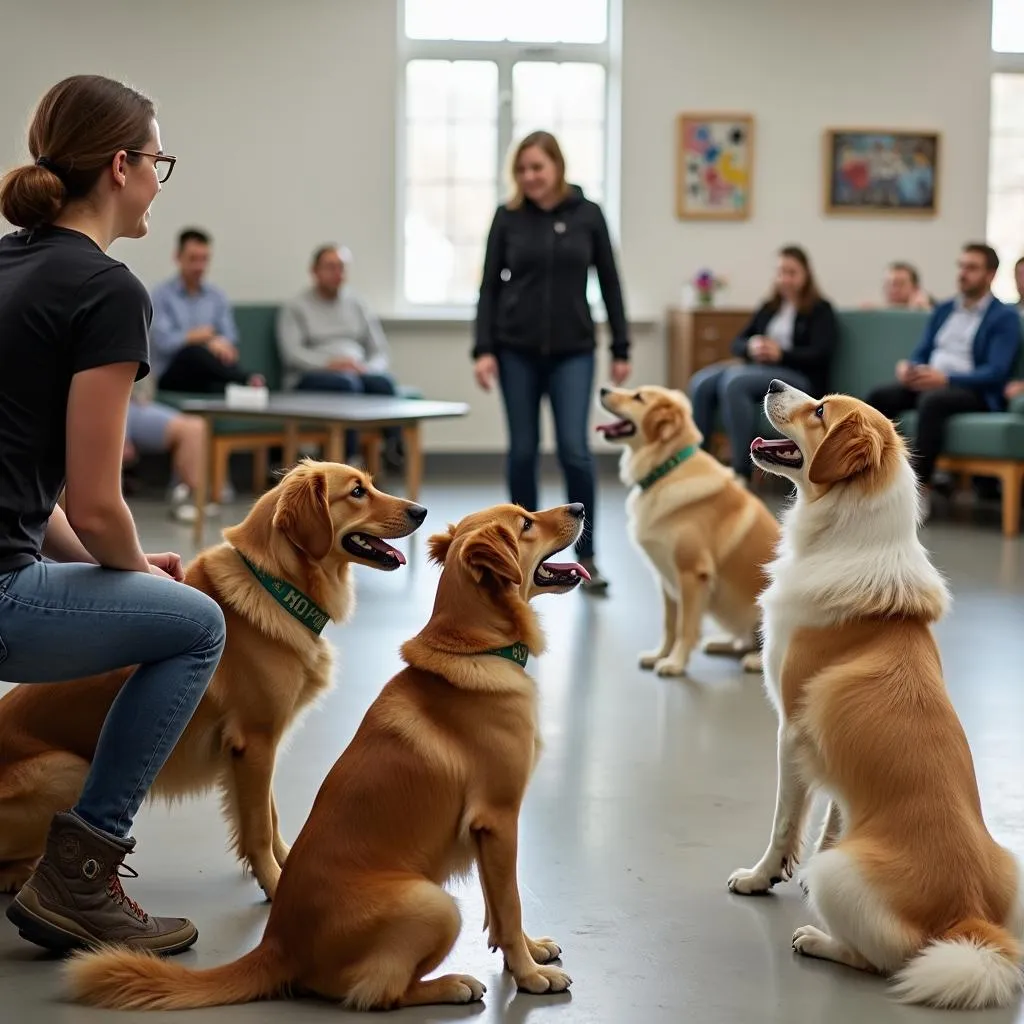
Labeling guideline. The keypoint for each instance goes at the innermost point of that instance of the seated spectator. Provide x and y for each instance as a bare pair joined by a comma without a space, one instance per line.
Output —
902,288
194,341
791,337
156,428
962,362
329,339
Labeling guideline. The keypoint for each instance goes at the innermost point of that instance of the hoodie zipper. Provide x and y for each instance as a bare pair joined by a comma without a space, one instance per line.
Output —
548,287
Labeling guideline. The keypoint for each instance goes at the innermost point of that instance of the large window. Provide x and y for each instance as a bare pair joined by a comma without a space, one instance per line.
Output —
477,76
1006,179
1008,26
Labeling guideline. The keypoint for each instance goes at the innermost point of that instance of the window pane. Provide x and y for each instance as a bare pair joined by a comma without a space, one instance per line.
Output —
1008,26
1006,180
524,21
451,168
569,101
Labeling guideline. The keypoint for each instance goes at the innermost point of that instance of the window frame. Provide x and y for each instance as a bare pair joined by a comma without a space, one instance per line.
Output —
1002,63
504,54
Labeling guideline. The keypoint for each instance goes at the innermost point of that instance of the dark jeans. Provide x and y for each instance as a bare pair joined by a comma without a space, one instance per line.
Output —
352,383
61,621
934,408
196,368
738,390
568,382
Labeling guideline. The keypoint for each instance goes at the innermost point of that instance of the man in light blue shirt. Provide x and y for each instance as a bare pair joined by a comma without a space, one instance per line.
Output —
194,340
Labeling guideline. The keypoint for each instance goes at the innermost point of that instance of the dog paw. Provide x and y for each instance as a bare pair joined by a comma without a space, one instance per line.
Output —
268,882
751,881
543,951
544,979
752,662
670,667
466,989
810,941
648,659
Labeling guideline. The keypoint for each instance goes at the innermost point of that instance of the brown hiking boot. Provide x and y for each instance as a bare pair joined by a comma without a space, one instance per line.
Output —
74,899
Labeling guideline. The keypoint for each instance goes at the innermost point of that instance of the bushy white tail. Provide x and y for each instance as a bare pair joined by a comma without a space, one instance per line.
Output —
974,966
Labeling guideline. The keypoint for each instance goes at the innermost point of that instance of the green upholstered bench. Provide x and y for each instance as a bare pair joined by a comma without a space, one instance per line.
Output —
977,444
257,346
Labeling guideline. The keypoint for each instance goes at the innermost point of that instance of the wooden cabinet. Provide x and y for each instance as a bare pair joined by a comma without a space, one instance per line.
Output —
698,337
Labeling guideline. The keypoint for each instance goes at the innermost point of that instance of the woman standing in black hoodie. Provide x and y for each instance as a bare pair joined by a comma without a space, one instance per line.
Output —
534,332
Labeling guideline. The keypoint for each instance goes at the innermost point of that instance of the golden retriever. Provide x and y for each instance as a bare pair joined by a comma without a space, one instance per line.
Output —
432,781
906,878
308,530
705,535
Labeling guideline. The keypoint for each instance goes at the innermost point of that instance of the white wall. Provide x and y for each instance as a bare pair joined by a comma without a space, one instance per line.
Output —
282,117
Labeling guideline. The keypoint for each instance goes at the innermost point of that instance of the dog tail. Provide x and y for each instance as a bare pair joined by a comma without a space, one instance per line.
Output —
974,965
127,979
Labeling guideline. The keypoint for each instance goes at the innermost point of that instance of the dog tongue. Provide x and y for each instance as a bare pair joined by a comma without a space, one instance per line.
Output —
567,567
385,548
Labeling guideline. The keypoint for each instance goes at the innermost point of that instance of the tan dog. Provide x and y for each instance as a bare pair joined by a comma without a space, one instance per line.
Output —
706,536
308,531
432,781
906,878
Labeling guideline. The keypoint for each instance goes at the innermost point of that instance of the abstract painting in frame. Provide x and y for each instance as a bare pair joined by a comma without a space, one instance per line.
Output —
881,171
714,166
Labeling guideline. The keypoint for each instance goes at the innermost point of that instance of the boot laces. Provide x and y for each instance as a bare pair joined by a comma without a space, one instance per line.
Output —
116,892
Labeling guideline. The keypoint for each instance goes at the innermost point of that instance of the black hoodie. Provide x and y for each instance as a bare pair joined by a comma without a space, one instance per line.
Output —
533,296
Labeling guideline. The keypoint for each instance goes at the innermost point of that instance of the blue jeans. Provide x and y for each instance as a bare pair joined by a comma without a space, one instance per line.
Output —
352,383
568,382
60,621
738,390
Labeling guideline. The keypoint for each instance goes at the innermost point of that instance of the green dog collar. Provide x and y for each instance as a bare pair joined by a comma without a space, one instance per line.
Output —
666,467
291,599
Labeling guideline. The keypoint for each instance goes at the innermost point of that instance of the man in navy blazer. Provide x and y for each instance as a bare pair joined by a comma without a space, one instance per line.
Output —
962,362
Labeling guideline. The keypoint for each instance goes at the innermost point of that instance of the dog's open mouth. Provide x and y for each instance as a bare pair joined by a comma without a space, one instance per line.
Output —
781,453
617,429
560,574
373,549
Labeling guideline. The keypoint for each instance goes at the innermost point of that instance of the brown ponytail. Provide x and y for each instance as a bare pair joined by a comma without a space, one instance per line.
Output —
78,127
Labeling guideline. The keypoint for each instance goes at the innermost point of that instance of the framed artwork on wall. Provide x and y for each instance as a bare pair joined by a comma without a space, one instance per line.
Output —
881,171
714,166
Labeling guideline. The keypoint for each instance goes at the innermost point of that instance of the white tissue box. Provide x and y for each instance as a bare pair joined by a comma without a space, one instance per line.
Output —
245,396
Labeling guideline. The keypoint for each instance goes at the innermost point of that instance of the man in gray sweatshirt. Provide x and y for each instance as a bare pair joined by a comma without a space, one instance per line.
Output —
329,340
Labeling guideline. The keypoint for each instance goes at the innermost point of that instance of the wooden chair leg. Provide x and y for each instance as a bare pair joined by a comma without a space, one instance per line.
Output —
1012,476
260,469
370,444
221,456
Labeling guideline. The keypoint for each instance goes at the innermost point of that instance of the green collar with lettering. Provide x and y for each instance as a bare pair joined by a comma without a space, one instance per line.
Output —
517,652
666,467
291,599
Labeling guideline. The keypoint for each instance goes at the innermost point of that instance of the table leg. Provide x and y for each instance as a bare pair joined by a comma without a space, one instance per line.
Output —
413,460
202,495
335,443
290,454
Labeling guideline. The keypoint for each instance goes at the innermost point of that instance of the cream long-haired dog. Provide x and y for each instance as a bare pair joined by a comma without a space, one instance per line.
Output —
906,878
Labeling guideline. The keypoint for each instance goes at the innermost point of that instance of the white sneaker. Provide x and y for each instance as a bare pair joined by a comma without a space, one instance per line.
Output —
183,508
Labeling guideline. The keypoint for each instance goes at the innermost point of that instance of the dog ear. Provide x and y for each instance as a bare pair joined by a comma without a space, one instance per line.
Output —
303,513
664,420
491,551
438,545
850,446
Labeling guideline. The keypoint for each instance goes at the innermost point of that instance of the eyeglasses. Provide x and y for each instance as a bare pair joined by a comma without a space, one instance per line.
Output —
164,164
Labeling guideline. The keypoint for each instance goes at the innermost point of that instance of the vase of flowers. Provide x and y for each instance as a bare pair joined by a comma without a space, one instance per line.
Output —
705,284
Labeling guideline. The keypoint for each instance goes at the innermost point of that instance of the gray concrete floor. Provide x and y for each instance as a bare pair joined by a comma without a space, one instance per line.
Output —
649,793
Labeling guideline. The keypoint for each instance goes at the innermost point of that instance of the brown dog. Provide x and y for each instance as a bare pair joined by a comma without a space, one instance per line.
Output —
906,878
307,531
706,536
431,782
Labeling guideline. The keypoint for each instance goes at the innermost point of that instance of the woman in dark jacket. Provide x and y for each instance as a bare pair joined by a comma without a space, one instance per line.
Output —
791,337
534,332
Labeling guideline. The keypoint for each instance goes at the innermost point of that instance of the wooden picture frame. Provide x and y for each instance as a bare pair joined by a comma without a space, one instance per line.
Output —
881,172
714,166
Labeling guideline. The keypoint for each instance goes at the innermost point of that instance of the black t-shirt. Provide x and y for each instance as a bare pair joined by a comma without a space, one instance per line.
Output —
65,306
